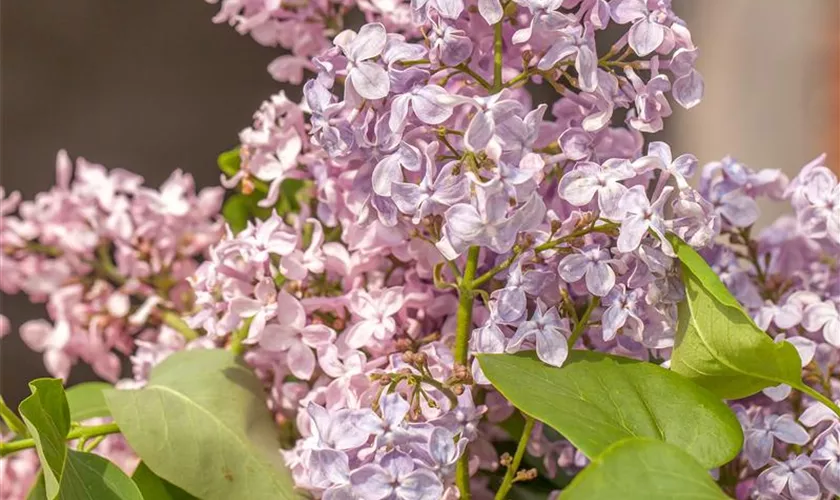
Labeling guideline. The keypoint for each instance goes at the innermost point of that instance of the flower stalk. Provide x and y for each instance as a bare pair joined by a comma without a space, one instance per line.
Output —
513,468
83,433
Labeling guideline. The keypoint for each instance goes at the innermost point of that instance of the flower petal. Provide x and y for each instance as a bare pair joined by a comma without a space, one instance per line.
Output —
370,80
645,36
552,346
600,279
368,43
429,107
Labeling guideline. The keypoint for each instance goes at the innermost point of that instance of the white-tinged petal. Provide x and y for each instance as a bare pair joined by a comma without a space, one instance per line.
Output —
370,80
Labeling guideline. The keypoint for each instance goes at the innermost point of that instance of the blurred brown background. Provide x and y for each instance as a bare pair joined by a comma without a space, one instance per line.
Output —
772,71
153,85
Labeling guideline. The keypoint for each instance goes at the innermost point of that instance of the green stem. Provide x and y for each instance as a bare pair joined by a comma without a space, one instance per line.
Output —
174,321
484,278
448,144
752,253
77,433
581,324
463,68
510,475
548,245
414,62
463,328
237,337
89,447
464,324
803,387
462,476
521,77
106,265
14,422
465,306
453,399
44,249
497,57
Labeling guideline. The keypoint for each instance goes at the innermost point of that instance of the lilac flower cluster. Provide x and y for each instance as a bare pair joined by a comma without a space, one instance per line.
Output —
445,212
788,278
109,256
421,151
18,473
328,333
301,27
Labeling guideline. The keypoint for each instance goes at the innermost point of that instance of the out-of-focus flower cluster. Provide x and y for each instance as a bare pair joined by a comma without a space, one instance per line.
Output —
788,277
108,255
303,28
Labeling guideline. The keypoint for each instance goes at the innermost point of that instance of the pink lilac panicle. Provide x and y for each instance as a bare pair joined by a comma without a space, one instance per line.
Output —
108,256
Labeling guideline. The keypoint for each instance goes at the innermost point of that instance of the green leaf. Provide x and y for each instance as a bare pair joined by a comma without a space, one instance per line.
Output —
38,490
291,191
229,162
47,417
643,469
12,421
91,477
201,423
86,401
239,209
596,400
718,345
154,487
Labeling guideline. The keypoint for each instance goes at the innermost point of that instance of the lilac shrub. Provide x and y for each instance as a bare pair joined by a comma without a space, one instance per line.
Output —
419,212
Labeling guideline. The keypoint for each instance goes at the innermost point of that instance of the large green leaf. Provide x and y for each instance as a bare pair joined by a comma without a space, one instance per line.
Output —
596,400
201,423
718,345
91,477
153,487
86,400
47,417
643,469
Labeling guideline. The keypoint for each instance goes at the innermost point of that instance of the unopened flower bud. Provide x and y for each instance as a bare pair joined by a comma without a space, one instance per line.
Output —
527,56
247,186
460,372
